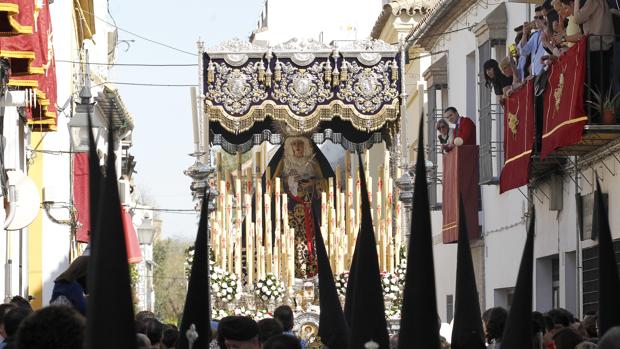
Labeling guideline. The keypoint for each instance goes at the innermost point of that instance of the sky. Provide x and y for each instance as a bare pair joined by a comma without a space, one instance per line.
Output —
162,136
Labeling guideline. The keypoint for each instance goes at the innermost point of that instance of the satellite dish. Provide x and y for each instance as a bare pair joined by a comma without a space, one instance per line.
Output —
27,200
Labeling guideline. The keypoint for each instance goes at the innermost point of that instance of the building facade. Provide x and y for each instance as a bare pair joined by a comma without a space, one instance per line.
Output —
460,35
39,141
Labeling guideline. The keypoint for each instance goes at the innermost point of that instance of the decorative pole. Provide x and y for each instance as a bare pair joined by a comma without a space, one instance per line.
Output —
200,171
405,182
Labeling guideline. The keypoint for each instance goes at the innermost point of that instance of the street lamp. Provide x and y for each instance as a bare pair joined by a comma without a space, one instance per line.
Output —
146,232
78,126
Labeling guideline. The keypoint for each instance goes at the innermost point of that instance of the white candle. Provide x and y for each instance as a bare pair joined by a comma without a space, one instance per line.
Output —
192,92
268,245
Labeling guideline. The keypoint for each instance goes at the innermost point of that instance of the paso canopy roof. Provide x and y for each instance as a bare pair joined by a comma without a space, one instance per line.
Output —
347,91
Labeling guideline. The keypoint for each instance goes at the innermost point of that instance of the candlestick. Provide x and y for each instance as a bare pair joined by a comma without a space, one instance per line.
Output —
249,256
205,135
268,232
230,242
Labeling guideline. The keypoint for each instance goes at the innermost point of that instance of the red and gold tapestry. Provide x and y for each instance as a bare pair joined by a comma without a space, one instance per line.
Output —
564,111
519,136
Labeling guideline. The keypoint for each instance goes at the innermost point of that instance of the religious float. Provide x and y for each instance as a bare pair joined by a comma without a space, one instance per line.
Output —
297,97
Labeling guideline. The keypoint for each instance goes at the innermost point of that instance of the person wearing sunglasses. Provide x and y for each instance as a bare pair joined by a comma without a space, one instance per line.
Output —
444,134
531,42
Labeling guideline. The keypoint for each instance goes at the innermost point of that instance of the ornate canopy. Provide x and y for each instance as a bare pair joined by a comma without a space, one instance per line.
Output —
347,92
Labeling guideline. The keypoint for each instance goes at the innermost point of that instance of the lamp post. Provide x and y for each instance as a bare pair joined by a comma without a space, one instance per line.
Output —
78,126
146,235
78,132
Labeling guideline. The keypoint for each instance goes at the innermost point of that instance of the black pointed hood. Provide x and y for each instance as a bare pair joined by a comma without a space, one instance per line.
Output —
333,329
467,329
609,285
518,330
198,300
110,317
367,307
419,323
95,179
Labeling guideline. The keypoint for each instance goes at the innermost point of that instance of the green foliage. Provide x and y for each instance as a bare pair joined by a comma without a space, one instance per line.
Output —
603,101
168,279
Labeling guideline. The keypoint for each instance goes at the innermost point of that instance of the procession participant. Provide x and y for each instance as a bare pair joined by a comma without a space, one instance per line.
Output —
238,332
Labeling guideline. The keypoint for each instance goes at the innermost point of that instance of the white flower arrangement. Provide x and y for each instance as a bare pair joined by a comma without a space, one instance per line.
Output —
189,260
269,289
391,287
341,281
223,285
218,314
401,268
392,313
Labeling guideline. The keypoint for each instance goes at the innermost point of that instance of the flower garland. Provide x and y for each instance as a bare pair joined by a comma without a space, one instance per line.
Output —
341,281
257,314
269,289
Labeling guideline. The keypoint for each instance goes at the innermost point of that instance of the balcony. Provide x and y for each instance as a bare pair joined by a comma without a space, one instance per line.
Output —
597,133
460,181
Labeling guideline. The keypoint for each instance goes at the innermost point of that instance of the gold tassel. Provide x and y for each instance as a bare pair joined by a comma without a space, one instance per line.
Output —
261,72
344,74
268,78
328,72
278,72
210,73
394,68
335,75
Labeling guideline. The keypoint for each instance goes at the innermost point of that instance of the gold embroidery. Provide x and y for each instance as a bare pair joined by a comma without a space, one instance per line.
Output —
557,92
513,122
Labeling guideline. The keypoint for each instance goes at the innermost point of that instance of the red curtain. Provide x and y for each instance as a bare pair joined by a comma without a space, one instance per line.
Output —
564,115
81,196
460,179
134,255
81,202
518,137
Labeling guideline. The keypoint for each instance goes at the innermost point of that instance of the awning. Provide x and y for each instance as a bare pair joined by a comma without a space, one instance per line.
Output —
110,105
348,92
134,255
33,68
16,17
85,16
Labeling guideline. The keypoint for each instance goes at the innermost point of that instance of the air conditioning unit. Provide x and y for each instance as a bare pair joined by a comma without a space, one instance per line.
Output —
124,191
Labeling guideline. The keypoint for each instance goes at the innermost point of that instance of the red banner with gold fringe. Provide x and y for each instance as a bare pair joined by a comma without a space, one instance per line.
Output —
460,180
519,136
564,110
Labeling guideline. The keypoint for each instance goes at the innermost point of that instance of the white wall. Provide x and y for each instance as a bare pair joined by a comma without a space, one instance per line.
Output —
57,167
336,20
501,217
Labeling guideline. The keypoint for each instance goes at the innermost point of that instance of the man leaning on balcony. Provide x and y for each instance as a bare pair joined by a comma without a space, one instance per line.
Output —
465,129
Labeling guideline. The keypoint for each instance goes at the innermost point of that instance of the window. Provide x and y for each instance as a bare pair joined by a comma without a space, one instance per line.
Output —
555,283
449,308
435,112
490,120
590,277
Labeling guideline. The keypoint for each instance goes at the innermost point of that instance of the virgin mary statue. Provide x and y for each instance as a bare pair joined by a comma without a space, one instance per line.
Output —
303,171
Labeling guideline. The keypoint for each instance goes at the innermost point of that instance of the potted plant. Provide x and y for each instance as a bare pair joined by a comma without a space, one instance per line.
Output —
605,103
